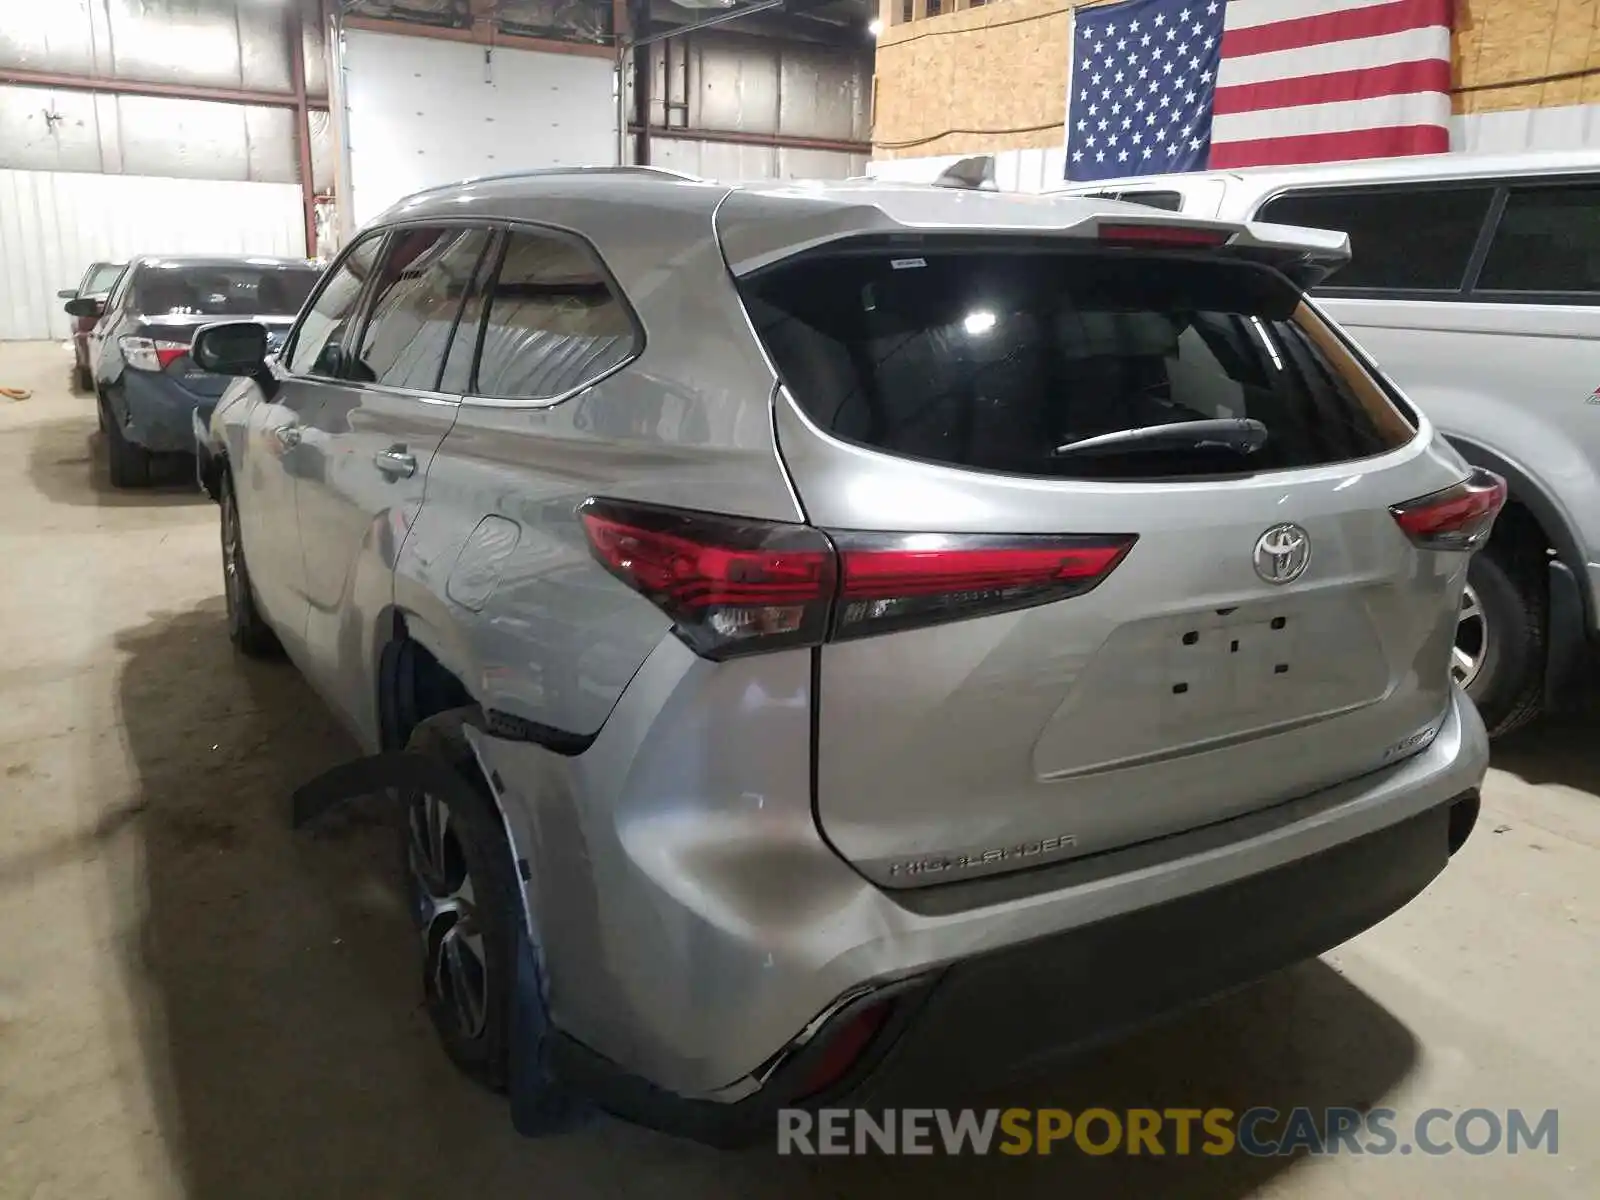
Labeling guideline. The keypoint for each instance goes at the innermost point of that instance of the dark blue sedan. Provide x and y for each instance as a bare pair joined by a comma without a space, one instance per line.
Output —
148,389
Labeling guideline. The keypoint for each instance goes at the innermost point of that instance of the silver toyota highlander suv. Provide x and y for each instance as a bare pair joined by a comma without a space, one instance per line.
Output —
832,636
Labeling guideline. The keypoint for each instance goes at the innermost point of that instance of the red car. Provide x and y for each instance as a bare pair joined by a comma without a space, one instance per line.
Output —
96,285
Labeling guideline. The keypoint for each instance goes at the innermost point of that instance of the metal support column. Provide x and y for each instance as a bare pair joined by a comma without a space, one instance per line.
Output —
642,74
295,35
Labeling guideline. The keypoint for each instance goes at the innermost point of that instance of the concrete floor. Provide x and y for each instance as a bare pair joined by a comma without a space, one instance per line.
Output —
194,1002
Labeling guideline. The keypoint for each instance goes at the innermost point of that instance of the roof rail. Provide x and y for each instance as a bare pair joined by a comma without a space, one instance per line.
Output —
547,172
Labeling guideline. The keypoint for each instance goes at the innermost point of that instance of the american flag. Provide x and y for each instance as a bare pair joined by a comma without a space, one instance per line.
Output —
1181,85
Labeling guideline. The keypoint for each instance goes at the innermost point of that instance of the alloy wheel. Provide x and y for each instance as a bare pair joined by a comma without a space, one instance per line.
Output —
231,557
1472,639
454,960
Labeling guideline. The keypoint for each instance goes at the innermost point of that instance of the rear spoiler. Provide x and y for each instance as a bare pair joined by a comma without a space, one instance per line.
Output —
1307,256
759,229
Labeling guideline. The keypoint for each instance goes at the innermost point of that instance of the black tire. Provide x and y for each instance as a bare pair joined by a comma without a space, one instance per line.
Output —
246,629
467,848
1509,685
129,464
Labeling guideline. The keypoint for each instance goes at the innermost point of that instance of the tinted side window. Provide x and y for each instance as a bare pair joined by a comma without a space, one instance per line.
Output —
316,342
553,324
102,278
457,376
425,275
119,290
1415,239
1548,240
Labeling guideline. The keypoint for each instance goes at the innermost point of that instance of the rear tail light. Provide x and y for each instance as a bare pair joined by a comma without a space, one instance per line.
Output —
733,586
148,354
890,582
729,585
1169,236
1458,518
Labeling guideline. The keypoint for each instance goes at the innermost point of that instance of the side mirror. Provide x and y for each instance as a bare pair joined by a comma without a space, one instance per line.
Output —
67,294
83,306
231,348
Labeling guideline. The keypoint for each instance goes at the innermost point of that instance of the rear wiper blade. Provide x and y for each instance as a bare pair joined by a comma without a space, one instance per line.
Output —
1245,435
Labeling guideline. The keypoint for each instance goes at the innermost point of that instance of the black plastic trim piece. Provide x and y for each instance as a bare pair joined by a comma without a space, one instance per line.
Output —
1015,1013
1486,236
740,1122
1537,501
511,728
1568,658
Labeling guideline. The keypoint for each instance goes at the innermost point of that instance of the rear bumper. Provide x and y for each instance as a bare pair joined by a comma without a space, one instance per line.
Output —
159,412
1010,1013
692,923
1092,984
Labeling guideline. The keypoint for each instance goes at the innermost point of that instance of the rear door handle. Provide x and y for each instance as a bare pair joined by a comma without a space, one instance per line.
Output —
287,435
395,462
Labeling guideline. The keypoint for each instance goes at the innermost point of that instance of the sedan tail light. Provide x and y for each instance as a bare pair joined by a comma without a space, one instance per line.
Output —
734,586
1460,517
151,354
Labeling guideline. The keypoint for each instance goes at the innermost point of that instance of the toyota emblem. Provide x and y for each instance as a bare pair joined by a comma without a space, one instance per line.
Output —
1283,553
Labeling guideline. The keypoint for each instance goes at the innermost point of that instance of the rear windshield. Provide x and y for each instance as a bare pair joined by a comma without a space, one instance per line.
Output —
224,290
997,359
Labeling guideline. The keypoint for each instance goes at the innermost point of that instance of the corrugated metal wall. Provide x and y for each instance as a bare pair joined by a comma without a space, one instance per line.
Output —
733,163
45,129
54,224
215,43
727,82
223,43
1568,127
721,80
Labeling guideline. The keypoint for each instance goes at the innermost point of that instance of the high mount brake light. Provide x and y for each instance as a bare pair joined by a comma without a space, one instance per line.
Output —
1460,517
1170,236
734,586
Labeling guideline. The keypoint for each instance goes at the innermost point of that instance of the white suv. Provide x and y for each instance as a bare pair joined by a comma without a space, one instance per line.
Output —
1475,282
